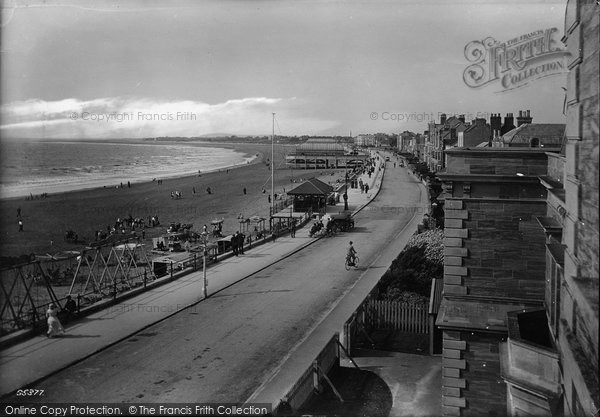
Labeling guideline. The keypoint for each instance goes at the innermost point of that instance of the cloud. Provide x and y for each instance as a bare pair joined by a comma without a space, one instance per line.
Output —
130,117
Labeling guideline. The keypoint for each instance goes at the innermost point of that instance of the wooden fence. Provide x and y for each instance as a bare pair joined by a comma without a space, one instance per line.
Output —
393,315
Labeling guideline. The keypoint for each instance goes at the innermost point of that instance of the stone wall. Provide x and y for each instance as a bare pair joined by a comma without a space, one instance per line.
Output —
587,172
497,162
556,167
471,382
578,332
494,248
485,393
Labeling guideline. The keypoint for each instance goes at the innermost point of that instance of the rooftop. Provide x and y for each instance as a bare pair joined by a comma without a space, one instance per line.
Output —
477,313
547,133
312,187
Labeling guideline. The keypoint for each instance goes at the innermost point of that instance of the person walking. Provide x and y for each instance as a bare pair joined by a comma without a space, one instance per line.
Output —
70,308
241,241
244,190
234,243
55,328
293,228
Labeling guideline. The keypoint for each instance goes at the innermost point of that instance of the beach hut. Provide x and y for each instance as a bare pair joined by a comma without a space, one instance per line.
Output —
311,195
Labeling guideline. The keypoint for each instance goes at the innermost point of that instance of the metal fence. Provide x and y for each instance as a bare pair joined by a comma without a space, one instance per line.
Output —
26,292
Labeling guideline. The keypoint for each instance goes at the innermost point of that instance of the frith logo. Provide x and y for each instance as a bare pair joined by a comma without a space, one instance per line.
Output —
516,62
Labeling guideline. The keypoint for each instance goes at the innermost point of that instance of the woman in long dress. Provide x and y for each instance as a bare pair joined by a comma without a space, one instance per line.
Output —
54,326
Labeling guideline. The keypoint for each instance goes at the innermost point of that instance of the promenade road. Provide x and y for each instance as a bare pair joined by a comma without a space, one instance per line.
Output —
233,344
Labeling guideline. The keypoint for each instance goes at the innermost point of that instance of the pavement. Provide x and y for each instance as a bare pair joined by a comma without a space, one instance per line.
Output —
34,359
390,384
414,381
277,386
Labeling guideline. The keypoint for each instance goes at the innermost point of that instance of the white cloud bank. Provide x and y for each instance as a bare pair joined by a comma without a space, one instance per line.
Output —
126,117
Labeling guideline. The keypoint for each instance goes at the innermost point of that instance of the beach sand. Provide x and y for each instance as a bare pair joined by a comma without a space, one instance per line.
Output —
46,220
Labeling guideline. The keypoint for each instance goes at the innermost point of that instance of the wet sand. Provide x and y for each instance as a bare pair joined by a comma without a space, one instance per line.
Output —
46,220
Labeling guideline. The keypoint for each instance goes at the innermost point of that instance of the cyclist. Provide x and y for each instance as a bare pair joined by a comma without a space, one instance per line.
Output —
351,254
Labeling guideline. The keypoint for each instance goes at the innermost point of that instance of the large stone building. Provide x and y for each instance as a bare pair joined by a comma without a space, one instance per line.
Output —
576,336
521,279
477,133
493,264
404,141
365,140
550,363
443,135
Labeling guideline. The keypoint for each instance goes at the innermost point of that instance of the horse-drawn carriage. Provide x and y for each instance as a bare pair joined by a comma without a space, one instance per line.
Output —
332,223
341,221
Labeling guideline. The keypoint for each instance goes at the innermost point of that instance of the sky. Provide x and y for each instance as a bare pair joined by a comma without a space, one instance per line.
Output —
124,69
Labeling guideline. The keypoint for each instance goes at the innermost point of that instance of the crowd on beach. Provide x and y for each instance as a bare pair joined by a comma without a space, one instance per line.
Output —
127,225
36,197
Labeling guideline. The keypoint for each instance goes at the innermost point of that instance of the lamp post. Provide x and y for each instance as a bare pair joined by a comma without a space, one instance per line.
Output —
204,281
346,192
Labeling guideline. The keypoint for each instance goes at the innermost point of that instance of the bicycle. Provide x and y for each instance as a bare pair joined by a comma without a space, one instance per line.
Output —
350,264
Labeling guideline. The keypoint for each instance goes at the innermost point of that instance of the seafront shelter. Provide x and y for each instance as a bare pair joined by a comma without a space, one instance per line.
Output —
311,195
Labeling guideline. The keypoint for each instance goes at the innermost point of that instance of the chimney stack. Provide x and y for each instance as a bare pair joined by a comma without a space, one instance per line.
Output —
524,117
495,123
461,118
508,124
443,118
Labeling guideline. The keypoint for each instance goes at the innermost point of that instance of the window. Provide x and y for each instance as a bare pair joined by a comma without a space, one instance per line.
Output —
535,143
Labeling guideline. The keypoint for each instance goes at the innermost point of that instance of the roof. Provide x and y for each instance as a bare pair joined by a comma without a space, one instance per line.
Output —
477,314
453,121
312,187
547,133
320,144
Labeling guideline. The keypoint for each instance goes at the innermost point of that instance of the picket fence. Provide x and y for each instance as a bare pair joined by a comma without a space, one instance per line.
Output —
394,315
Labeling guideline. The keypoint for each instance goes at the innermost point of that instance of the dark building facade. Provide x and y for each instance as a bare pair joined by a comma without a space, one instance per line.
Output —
521,279
577,333
493,264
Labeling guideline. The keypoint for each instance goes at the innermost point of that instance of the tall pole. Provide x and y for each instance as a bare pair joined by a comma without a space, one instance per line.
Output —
346,190
273,168
204,281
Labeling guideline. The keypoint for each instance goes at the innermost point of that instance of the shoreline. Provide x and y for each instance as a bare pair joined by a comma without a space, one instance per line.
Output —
45,220
251,158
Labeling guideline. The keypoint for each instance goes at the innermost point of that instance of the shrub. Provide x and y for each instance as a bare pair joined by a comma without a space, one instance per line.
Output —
412,271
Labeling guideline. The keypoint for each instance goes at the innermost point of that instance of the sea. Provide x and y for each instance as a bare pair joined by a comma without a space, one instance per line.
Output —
33,167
